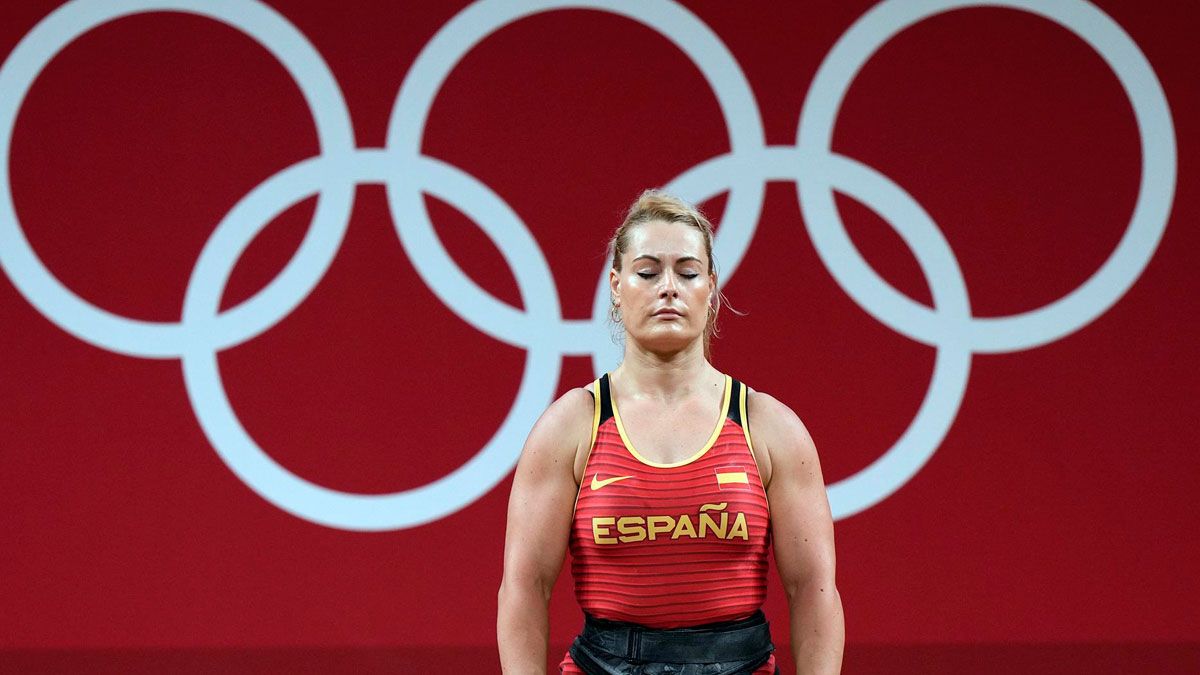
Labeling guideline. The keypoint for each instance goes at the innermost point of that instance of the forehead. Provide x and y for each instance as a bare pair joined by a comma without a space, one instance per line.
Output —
662,239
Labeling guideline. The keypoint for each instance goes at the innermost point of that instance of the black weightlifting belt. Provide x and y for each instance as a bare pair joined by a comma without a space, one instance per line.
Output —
618,648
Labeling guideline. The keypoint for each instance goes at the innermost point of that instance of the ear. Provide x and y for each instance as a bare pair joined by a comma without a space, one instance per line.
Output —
714,292
614,285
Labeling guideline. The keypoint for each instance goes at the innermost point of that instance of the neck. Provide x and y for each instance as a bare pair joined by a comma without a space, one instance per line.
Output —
664,374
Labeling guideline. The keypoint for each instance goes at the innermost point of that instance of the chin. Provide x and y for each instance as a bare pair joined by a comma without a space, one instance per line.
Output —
666,339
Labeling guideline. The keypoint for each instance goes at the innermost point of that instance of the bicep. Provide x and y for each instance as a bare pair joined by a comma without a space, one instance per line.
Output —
801,521
543,495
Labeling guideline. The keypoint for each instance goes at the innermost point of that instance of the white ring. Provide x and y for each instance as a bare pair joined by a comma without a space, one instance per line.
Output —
1035,327
55,301
271,480
415,99
891,470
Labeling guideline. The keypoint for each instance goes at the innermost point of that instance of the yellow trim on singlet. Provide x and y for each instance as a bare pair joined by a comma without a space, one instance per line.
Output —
595,417
711,439
595,430
743,395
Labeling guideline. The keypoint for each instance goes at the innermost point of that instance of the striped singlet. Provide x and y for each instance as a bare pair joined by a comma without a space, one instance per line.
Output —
670,545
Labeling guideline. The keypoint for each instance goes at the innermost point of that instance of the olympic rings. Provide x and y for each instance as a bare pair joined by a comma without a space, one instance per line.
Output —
204,330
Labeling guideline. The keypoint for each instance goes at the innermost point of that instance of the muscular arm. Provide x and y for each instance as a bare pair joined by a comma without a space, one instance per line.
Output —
539,520
802,530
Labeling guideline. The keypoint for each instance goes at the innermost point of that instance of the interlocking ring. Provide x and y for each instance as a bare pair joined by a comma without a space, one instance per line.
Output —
333,175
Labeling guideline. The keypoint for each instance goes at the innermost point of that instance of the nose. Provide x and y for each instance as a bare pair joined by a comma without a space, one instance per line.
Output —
669,287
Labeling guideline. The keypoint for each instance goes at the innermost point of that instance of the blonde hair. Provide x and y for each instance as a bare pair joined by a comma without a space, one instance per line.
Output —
655,205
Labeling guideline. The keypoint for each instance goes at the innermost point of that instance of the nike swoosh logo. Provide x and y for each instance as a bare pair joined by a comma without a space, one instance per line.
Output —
597,483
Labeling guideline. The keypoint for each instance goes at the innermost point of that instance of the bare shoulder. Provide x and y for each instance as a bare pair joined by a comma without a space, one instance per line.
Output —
780,438
562,433
565,415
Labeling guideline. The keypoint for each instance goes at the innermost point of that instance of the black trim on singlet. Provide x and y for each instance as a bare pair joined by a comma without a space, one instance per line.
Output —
606,410
735,403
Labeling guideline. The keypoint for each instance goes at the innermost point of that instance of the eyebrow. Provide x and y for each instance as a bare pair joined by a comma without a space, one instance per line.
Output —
686,258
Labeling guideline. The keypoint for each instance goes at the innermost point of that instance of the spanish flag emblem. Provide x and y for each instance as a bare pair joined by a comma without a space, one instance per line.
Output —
732,477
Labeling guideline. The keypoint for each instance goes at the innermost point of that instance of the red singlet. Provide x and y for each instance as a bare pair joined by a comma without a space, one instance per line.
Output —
670,545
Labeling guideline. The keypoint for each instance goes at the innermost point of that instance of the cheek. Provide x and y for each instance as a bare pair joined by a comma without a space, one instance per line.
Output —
633,285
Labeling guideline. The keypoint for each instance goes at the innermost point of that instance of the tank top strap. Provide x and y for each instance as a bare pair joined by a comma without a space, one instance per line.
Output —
604,399
737,412
737,402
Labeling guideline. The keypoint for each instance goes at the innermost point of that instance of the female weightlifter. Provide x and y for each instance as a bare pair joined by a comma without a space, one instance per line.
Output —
670,482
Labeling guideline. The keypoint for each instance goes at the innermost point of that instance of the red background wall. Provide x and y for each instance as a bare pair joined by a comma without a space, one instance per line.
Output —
1055,524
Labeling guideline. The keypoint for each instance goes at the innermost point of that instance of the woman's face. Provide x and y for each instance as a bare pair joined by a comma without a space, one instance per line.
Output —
664,288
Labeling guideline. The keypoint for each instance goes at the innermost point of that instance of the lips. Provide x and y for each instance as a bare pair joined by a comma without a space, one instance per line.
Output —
668,312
